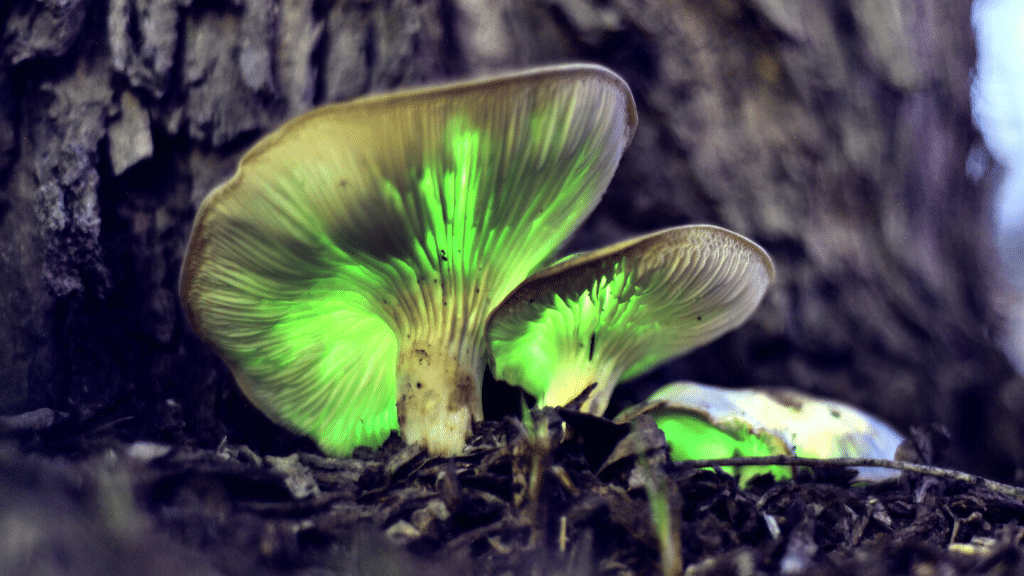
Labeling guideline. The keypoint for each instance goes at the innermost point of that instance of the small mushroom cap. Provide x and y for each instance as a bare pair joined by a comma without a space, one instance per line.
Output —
801,424
363,229
617,312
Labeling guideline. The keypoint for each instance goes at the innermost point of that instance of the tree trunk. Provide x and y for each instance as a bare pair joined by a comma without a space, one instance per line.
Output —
835,133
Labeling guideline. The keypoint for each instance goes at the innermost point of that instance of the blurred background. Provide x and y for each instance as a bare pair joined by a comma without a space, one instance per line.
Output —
998,100
839,134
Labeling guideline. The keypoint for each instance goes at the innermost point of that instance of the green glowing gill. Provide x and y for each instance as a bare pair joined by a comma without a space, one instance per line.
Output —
617,312
786,421
572,342
691,437
439,319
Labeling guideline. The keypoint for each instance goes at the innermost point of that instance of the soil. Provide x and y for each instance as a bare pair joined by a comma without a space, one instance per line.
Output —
566,494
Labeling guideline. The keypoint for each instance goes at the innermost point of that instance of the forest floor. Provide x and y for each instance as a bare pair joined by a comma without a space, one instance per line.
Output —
571,501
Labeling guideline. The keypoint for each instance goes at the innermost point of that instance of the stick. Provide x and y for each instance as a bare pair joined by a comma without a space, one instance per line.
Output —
1005,489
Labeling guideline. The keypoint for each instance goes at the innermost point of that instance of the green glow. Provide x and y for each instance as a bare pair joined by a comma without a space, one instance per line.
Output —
787,421
618,312
346,271
692,438
575,340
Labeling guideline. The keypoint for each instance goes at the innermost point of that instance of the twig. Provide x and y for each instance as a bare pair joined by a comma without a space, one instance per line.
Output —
1005,489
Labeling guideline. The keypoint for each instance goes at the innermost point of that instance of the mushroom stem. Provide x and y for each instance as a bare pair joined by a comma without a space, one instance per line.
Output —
570,379
439,394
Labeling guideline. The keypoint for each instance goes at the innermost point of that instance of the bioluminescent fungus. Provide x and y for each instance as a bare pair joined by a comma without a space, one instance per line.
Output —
706,422
609,315
346,270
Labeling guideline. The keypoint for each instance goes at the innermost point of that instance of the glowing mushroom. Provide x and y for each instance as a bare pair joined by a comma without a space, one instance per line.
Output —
704,422
345,272
615,313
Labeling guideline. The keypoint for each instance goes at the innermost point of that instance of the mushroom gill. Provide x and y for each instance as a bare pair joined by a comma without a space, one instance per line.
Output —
592,320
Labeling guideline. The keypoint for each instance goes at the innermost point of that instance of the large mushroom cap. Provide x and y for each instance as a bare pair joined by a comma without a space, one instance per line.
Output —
345,271
617,312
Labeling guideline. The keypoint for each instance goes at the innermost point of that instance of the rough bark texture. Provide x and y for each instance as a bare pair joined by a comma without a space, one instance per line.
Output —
833,132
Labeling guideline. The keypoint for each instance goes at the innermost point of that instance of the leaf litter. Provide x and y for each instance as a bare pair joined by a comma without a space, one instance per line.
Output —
565,496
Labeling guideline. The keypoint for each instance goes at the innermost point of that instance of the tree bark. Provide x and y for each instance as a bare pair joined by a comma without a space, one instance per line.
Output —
835,133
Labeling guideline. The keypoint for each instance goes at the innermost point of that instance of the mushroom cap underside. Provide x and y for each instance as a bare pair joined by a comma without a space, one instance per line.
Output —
352,229
617,312
801,424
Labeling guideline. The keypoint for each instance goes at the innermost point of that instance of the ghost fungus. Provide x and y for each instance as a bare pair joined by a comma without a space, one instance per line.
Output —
703,422
612,314
345,272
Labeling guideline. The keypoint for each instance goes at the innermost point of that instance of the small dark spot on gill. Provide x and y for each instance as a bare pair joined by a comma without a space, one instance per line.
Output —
593,338
699,318
419,385
444,257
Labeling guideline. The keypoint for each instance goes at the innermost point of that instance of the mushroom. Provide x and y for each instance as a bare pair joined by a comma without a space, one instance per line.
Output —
613,314
346,270
702,422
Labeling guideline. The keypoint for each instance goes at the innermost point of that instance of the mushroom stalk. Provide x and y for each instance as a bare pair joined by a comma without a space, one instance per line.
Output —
587,369
439,393
440,357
